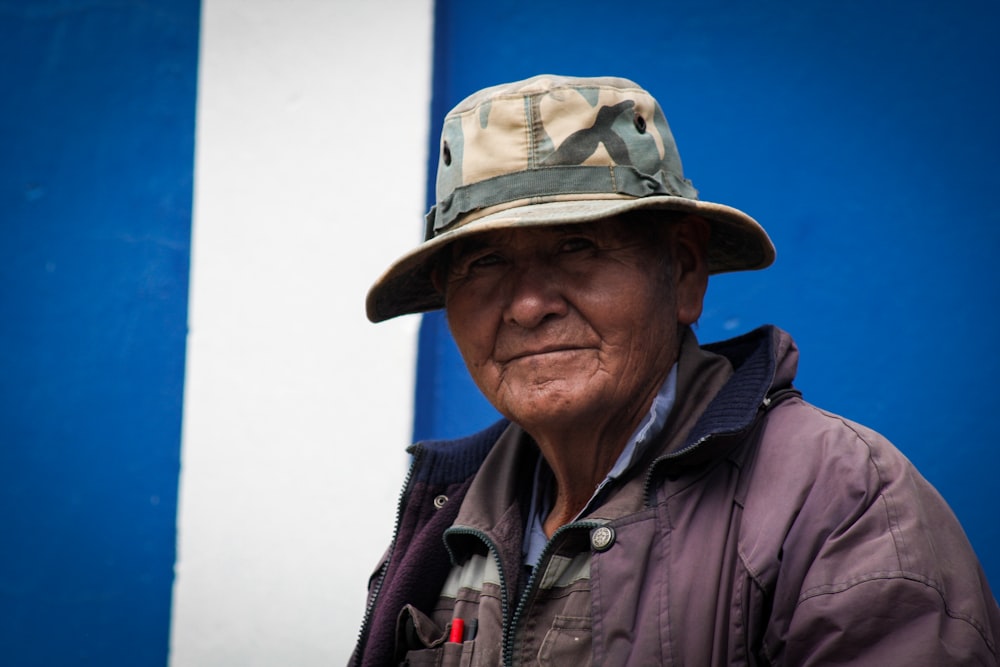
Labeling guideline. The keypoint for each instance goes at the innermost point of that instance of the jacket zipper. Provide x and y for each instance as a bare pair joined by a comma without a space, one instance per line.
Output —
510,628
511,623
418,452
769,401
647,485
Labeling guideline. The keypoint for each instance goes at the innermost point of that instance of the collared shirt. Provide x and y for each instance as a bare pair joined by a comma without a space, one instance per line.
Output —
535,538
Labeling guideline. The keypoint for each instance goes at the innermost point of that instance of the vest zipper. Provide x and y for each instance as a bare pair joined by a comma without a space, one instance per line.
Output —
418,452
491,547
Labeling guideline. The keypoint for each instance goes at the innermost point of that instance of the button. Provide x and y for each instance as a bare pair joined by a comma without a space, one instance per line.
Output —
602,538
439,501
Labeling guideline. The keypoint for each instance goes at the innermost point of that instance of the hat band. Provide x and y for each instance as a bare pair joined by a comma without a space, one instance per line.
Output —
545,182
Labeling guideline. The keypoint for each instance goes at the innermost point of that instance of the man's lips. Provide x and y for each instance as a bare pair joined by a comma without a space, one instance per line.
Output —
535,352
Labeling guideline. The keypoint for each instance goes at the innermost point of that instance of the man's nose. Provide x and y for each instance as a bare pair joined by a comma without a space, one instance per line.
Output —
534,295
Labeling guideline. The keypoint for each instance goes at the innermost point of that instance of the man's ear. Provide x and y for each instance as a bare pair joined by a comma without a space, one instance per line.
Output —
439,271
690,240
437,280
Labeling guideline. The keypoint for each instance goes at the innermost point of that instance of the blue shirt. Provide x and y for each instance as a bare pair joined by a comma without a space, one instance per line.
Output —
541,501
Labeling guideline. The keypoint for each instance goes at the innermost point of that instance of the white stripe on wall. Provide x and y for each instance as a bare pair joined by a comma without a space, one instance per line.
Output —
310,171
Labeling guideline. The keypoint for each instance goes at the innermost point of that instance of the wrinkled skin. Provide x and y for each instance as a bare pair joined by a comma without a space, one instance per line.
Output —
570,331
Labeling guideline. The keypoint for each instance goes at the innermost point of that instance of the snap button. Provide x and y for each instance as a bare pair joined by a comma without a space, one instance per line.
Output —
446,154
439,501
640,124
602,538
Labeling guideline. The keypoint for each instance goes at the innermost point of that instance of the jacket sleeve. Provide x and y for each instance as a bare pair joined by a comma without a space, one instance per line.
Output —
870,566
886,619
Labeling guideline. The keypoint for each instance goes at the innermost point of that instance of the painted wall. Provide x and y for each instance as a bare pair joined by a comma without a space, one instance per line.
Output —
311,146
311,133
863,136
860,135
97,136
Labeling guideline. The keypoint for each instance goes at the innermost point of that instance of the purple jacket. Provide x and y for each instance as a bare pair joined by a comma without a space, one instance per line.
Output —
773,533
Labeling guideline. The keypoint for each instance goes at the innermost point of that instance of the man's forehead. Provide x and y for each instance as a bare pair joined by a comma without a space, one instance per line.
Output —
650,228
607,228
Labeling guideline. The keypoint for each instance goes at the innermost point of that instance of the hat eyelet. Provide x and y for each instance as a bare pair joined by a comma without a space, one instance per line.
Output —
446,154
640,124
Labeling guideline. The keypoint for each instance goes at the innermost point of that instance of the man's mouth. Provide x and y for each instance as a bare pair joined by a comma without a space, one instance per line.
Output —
540,351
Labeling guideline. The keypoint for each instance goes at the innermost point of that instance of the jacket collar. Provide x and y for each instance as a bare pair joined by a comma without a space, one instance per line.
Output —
763,361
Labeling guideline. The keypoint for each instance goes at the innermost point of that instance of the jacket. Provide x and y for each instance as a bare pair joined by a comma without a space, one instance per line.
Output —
763,531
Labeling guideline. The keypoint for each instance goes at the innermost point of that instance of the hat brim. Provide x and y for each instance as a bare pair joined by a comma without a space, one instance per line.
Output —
737,243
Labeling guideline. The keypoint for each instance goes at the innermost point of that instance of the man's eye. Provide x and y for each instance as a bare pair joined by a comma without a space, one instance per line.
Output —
484,260
576,244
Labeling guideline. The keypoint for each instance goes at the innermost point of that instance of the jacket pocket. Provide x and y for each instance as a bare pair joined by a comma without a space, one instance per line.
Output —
420,642
446,655
568,642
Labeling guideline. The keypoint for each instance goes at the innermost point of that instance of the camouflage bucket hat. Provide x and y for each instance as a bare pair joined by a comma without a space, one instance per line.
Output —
556,150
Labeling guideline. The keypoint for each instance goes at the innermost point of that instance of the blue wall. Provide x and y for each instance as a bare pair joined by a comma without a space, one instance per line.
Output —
862,135
864,138
97,135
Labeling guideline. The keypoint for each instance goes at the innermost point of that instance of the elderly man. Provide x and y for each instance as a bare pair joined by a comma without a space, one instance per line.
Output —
645,501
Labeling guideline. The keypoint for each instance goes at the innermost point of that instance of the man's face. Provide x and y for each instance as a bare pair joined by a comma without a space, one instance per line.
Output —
559,325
